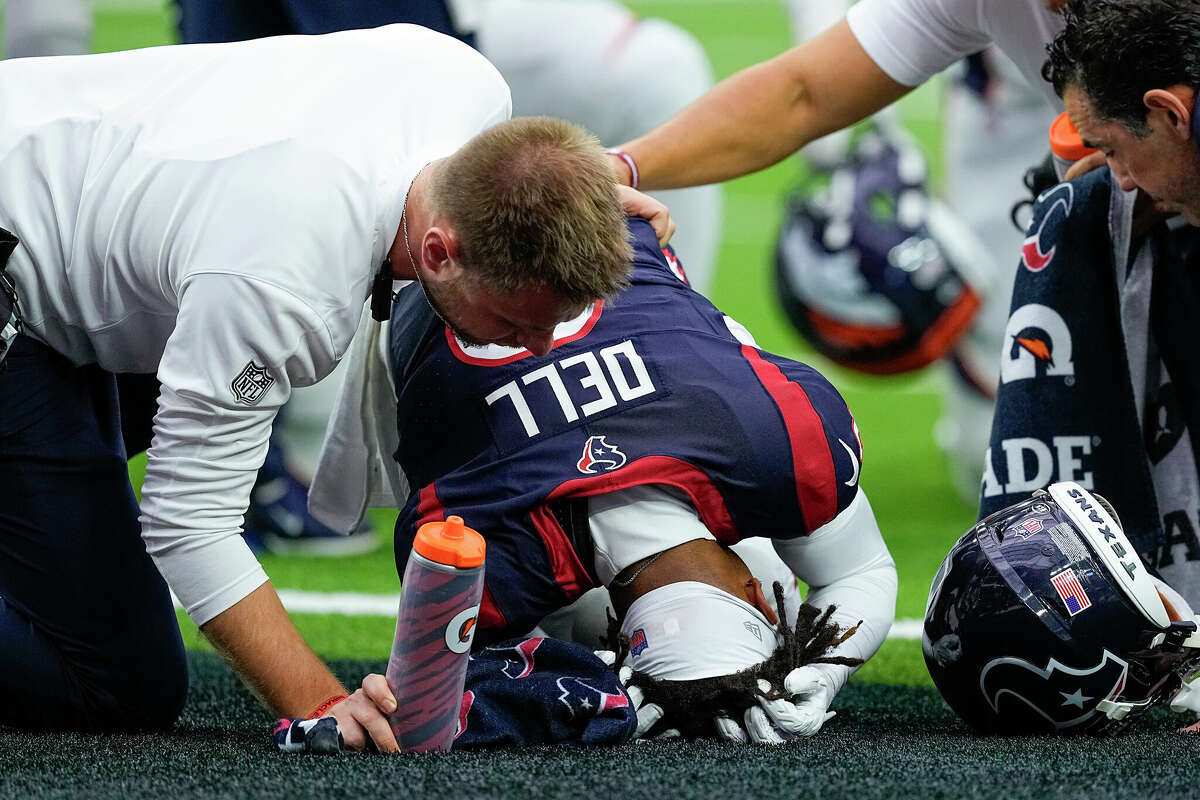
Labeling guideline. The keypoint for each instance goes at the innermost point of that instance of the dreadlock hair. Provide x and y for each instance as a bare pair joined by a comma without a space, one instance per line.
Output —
689,706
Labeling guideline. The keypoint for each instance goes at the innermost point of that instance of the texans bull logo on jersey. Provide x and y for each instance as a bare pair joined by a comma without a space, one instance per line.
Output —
600,456
1061,695
1038,249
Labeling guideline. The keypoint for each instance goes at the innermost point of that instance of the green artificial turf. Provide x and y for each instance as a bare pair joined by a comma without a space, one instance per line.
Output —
885,742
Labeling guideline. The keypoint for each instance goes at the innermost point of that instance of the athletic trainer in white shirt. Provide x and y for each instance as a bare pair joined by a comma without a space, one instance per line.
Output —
217,214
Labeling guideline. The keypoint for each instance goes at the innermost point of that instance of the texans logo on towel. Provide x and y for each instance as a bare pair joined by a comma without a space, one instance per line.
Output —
580,697
1163,422
522,665
464,711
1039,246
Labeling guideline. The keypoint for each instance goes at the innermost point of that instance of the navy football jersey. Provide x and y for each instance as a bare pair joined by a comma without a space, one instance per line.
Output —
652,387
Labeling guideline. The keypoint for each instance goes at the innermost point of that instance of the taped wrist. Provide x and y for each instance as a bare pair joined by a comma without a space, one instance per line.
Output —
324,707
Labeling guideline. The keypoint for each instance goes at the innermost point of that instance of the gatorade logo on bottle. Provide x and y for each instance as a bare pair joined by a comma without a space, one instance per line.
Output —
461,630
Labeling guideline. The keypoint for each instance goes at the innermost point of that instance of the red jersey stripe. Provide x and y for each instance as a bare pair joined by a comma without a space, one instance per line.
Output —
812,463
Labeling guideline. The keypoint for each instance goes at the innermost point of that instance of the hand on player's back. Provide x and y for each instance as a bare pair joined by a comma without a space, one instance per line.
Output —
641,205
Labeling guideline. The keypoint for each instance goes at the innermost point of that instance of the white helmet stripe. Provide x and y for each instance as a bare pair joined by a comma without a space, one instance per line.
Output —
1109,542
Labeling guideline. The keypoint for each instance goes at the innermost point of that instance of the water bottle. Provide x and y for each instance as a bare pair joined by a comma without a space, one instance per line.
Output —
439,603
1066,145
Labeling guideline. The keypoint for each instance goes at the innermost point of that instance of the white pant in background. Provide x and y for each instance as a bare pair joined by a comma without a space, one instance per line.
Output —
47,28
988,146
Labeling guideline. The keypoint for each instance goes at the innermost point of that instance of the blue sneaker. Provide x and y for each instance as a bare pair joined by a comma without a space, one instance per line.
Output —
278,521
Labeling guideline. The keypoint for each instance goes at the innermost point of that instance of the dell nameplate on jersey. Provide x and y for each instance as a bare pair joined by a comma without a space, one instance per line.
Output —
562,394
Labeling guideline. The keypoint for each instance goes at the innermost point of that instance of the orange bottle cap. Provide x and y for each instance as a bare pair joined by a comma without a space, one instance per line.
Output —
451,543
1065,141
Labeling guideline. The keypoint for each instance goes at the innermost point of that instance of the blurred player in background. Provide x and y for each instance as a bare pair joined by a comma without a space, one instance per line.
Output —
47,28
874,56
863,63
651,438
995,129
227,236
587,61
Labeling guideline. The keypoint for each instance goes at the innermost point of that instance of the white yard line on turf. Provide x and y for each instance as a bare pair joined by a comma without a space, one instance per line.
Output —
384,605
352,604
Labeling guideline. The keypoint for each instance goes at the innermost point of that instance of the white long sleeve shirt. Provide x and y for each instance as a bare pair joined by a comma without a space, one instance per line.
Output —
215,213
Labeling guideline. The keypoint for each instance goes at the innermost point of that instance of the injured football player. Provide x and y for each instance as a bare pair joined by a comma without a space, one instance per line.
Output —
654,436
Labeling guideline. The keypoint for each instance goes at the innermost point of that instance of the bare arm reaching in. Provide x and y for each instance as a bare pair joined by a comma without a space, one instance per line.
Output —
764,113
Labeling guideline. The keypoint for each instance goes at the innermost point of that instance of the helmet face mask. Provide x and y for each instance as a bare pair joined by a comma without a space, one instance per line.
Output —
874,273
1043,618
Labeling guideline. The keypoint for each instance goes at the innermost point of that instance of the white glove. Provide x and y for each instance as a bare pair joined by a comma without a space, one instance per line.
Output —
648,714
1187,698
730,730
777,721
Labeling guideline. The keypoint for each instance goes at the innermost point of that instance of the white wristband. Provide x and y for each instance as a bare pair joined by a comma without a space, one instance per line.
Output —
629,162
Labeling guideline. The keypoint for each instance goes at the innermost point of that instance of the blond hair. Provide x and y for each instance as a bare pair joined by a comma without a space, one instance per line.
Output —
534,202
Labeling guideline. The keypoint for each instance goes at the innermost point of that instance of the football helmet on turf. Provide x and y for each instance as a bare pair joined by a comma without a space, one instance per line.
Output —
873,272
1043,617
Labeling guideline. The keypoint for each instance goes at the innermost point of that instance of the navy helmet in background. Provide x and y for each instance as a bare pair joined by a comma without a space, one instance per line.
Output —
873,272
1044,618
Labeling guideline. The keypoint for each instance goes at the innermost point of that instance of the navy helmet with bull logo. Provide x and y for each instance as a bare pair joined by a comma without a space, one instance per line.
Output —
1044,618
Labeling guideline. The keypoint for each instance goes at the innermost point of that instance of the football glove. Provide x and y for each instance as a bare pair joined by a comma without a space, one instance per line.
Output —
648,714
777,721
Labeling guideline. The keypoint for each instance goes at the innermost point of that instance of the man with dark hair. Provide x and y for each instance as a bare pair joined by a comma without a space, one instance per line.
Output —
1100,384
654,436
1128,73
226,237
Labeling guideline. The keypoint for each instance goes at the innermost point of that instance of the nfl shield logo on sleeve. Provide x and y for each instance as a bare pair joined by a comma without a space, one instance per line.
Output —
251,384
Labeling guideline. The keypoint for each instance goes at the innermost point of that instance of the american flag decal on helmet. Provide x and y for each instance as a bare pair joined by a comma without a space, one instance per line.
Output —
1071,591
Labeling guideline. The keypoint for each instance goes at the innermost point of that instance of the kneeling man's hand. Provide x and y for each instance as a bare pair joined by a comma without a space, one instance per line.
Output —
641,205
363,716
